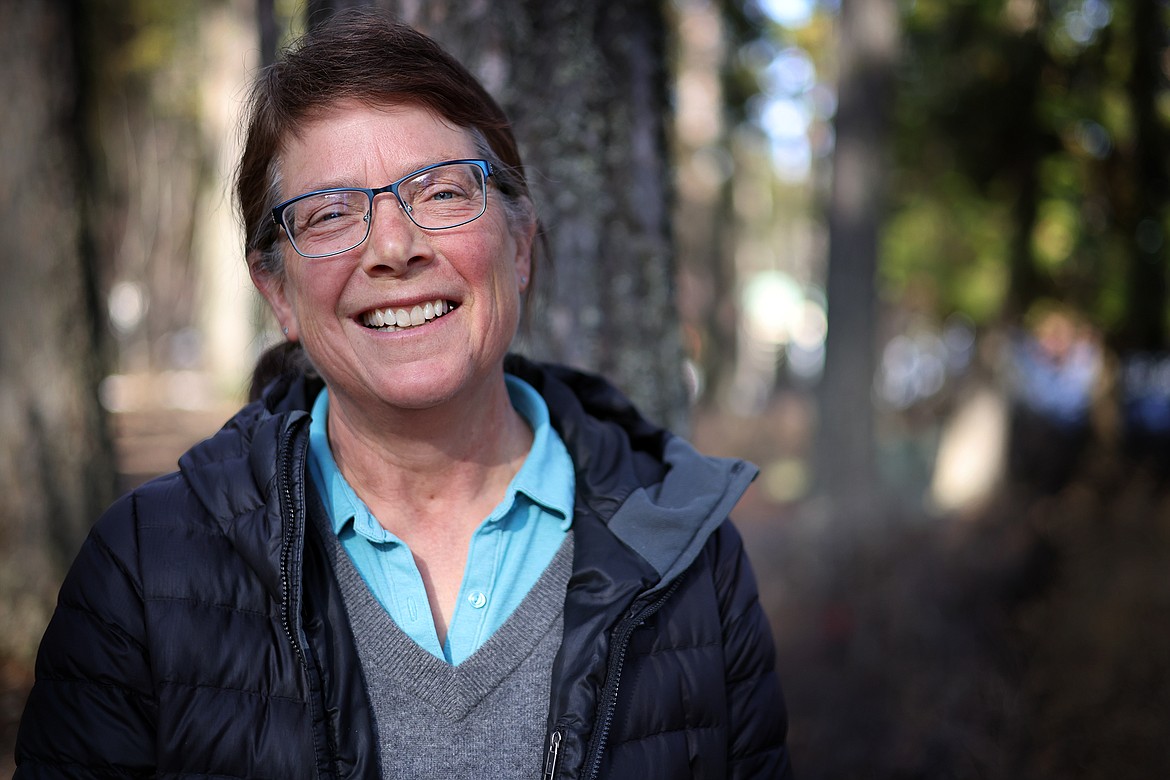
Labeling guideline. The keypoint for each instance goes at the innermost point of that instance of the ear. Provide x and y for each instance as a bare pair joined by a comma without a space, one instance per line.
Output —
524,238
271,286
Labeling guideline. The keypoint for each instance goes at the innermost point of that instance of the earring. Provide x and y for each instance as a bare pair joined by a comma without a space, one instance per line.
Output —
286,331
523,280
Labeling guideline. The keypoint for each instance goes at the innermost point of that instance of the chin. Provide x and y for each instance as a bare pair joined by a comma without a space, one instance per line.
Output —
427,386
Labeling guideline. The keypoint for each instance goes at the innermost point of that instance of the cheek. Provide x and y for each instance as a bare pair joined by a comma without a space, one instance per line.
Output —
314,291
488,262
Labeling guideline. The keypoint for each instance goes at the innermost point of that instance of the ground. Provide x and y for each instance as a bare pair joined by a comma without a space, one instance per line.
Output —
1027,640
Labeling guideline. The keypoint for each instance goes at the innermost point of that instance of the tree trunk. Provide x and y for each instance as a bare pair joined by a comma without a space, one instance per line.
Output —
704,216
585,83
867,45
1025,285
56,465
1143,217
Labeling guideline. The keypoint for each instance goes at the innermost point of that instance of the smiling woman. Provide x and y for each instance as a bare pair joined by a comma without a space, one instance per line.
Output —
413,554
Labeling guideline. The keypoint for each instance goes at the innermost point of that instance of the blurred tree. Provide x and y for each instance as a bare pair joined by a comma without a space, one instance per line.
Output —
716,141
150,163
1143,213
56,465
104,167
1029,166
586,85
708,109
971,124
867,49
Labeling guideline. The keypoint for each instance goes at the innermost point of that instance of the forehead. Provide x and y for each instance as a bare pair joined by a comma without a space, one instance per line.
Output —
350,142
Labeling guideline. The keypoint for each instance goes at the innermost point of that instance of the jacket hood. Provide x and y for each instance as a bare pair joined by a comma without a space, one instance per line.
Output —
233,474
653,490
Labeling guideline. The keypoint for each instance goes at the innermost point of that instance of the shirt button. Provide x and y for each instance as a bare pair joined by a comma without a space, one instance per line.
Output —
477,599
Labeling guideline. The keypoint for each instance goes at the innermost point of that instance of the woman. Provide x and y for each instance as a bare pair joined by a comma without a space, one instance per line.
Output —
414,555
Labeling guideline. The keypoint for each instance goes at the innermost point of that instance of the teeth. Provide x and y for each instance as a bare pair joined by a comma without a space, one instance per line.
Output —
399,319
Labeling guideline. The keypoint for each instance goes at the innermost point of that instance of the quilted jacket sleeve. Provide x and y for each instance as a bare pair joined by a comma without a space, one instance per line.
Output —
759,720
91,712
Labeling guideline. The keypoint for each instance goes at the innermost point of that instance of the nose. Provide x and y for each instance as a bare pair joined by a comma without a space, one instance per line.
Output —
395,244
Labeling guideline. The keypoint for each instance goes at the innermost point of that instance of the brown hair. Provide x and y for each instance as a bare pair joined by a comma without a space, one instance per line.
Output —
362,56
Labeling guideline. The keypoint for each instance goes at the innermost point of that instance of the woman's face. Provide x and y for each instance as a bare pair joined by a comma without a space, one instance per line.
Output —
332,305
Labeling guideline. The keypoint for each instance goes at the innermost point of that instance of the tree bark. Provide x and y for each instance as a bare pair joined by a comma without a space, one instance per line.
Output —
56,464
586,85
867,44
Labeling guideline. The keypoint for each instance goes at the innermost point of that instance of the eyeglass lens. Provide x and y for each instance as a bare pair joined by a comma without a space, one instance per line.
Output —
336,221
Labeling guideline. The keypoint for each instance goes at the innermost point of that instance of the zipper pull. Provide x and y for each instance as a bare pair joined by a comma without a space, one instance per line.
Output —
554,749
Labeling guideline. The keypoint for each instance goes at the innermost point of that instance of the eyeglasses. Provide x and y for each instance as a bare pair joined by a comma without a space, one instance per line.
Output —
440,196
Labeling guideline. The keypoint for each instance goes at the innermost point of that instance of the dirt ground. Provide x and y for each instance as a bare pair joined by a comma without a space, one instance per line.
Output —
1027,641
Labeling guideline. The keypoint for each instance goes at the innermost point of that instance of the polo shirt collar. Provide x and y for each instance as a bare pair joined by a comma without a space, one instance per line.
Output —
546,477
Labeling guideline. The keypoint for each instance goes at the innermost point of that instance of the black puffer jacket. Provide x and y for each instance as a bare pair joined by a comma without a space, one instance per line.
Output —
199,634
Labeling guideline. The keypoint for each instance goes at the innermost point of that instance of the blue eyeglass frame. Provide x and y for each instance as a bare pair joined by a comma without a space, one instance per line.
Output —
278,210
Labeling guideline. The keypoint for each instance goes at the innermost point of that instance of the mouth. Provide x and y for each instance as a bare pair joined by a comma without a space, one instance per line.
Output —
392,319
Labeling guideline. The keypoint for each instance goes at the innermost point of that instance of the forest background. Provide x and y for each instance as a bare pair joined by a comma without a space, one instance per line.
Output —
909,257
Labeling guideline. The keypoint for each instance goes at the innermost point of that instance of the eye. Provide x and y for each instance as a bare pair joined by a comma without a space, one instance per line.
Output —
326,210
442,185
443,188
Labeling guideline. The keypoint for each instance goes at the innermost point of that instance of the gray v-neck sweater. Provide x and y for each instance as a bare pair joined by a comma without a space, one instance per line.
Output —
485,717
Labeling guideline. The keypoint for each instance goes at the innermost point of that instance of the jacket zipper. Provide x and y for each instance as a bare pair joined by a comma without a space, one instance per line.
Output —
289,507
554,750
613,680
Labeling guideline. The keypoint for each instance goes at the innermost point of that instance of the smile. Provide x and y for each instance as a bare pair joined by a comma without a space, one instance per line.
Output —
392,319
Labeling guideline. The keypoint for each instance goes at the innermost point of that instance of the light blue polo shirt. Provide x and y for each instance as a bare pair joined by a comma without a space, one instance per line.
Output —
509,550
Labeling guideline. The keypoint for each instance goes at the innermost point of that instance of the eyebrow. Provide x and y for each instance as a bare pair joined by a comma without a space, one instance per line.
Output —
340,183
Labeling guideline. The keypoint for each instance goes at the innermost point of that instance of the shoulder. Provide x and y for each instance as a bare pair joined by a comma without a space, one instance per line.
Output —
115,542
725,552
731,572
118,529
213,485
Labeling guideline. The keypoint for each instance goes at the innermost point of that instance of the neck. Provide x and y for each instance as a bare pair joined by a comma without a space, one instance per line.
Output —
430,465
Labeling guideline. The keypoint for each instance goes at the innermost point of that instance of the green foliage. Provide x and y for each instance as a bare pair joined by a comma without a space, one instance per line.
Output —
945,251
1056,234
1018,138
